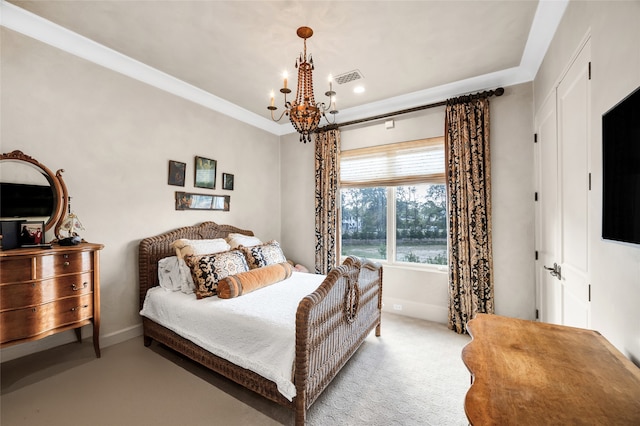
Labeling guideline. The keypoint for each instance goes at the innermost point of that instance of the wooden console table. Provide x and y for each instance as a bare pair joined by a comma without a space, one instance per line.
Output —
530,373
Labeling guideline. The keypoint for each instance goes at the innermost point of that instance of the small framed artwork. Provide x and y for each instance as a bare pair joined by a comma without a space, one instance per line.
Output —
227,181
31,233
191,201
205,175
177,172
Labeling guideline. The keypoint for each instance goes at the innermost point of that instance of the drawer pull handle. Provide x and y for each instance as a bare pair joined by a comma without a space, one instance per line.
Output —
77,308
65,264
75,288
33,309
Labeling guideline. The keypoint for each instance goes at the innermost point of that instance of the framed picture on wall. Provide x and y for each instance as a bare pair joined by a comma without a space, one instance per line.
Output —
227,181
191,201
205,175
177,173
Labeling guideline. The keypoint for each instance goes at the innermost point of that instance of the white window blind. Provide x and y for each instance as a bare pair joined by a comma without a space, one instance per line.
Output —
404,163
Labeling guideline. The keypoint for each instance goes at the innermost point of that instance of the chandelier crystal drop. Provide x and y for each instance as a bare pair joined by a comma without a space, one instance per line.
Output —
304,113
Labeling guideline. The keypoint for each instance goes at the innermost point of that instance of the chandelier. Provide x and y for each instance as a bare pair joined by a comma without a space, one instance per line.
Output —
304,113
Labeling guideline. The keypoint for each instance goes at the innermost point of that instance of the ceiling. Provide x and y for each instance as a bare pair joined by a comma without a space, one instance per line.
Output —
229,55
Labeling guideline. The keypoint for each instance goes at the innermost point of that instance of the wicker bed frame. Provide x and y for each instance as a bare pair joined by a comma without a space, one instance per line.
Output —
331,323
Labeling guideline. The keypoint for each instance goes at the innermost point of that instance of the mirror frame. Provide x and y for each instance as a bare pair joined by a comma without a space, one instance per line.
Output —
60,196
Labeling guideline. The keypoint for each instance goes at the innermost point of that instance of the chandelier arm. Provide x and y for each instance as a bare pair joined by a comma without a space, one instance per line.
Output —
327,118
279,118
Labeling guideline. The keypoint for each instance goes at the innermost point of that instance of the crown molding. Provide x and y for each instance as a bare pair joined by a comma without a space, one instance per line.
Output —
543,28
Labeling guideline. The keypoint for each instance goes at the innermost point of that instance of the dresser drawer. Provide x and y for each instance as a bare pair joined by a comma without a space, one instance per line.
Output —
63,263
19,295
15,269
29,322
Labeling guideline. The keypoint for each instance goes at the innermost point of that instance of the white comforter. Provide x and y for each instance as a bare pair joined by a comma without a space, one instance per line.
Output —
255,331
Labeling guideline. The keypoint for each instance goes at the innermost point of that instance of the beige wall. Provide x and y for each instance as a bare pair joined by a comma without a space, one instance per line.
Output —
113,136
423,294
615,56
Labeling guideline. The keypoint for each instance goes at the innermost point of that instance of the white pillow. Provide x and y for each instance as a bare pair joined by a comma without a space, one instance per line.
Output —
169,274
186,247
187,286
237,240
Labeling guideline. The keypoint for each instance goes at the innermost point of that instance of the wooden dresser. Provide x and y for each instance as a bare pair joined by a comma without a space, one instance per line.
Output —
532,373
46,291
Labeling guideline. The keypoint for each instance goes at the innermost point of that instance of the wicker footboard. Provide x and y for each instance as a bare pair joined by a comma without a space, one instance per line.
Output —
331,323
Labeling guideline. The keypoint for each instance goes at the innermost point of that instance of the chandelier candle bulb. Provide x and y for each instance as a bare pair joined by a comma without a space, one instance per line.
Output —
285,75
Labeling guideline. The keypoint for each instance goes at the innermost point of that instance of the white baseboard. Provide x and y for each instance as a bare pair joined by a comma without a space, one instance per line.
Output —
28,348
416,310
121,335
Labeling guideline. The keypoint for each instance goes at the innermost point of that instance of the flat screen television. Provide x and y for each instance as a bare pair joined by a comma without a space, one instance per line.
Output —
22,200
621,170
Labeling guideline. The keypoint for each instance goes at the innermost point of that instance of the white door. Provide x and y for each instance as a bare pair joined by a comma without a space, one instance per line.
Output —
547,213
574,105
562,155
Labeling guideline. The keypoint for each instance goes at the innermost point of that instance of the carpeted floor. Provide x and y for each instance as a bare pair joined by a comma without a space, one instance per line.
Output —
411,375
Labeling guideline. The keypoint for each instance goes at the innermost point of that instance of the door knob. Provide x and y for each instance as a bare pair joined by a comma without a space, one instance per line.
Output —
555,271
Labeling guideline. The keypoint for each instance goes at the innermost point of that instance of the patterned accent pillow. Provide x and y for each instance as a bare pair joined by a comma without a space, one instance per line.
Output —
208,269
266,254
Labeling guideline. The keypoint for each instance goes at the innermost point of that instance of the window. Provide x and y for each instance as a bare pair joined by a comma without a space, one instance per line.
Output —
393,203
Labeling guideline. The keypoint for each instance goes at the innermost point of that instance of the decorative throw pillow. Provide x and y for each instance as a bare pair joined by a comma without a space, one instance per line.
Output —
264,255
237,240
169,273
254,279
208,269
187,286
185,247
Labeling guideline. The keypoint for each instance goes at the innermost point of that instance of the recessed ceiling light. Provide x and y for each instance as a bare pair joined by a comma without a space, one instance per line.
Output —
358,89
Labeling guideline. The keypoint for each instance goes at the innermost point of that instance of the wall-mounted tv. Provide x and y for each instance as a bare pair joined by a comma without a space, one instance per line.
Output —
22,201
621,170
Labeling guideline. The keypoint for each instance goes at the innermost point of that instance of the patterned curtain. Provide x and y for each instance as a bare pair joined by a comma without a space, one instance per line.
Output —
327,178
469,198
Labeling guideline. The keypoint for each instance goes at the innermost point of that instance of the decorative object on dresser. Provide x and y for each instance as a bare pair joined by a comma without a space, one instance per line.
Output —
48,193
46,289
527,372
327,325
32,233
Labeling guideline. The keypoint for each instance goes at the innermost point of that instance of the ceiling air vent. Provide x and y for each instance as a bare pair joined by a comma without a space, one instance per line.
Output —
348,77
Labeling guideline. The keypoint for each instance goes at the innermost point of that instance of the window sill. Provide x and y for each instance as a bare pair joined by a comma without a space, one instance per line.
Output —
439,269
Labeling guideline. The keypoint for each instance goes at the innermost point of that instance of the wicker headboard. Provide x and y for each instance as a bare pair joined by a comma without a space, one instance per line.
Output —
155,248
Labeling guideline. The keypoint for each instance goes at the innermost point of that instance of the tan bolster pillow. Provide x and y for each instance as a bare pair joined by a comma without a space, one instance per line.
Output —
246,282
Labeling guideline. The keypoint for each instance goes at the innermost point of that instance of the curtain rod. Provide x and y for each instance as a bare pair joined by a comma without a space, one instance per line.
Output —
465,98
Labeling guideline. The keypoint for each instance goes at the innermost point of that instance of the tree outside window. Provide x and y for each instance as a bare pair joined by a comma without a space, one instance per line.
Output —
420,232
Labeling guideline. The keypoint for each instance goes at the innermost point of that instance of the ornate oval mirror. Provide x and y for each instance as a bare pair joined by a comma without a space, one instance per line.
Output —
29,189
